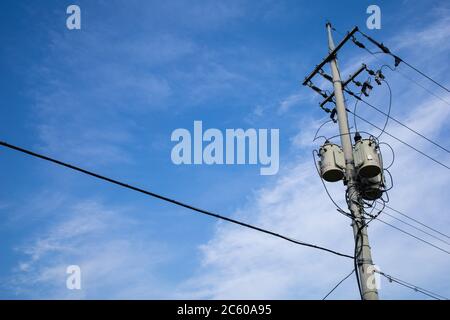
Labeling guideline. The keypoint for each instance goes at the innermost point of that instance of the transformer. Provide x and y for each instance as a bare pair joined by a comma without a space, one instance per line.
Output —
367,159
372,188
332,163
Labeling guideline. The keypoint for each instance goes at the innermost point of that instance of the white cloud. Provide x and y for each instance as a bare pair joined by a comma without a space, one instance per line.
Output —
116,259
292,101
239,263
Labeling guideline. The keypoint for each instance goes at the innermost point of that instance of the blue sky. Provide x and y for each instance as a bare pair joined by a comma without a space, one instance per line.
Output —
107,97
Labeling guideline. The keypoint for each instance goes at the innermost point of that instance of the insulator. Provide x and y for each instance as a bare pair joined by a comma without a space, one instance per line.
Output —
380,75
366,88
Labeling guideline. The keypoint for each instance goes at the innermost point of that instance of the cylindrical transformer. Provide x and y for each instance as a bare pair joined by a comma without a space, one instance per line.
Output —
331,162
367,159
372,188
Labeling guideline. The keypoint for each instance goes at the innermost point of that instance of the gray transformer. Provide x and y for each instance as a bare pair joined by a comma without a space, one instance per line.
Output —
367,159
332,163
372,188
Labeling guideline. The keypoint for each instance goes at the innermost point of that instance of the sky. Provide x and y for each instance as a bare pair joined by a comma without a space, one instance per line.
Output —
107,98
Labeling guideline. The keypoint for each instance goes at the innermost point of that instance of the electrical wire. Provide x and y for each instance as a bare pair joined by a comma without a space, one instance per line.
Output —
401,141
413,236
423,74
338,284
393,154
392,181
417,221
358,98
320,127
325,187
395,69
414,227
399,122
388,115
354,111
350,133
348,215
398,60
372,206
355,260
358,238
412,286
175,202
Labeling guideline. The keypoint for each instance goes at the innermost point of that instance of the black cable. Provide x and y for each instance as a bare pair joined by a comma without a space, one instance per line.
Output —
176,202
412,286
355,263
388,115
423,74
318,129
374,54
350,133
326,189
411,235
422,86
356,254
338,284
398,60
400,123
417,228
393,153
358,237
355,260
392,180
417,221
354,111
358,98
395,69
401,141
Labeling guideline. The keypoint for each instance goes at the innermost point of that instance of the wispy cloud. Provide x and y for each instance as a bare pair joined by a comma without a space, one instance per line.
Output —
245,264
116,260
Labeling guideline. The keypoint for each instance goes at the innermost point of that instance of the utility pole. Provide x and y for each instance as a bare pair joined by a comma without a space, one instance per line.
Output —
363,254
363,258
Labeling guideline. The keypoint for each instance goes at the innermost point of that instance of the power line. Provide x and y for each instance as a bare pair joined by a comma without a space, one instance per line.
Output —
388,114
413,236
417,221
413,81
399,122
176,202
401,141
398,60
413,226
362,254
423,74
338,284
412,286
375,55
